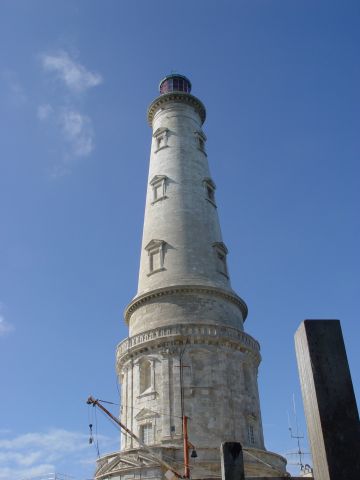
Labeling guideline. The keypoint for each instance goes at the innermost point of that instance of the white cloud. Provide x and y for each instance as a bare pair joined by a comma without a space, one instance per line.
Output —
74,127
78,132
36,453
5,327
61,441
15,92
75,76
44,111
59,170
26,473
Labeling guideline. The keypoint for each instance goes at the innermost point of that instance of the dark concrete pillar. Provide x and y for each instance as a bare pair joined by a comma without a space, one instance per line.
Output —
232,462
329,400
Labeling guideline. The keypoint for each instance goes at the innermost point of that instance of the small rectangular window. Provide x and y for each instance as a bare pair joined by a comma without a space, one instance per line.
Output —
146,433
161,138
158,184
221,251
155,261
156,252
210,190
145,376
201,139
251,436
210,193
222,263
158,191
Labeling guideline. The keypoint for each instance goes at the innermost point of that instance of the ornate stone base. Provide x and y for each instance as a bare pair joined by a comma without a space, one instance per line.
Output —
218,390
136,464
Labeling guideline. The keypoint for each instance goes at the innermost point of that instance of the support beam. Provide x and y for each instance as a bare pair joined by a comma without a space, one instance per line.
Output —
329,400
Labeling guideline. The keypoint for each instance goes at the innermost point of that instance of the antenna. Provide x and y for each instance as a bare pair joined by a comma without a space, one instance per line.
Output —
304,467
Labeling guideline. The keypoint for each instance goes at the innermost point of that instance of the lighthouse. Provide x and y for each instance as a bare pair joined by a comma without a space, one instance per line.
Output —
187,355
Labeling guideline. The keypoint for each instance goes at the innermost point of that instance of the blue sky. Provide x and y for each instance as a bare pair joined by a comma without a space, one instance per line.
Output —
280,80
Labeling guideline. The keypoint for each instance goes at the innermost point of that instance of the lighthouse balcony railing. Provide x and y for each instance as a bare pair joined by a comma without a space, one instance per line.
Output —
189,330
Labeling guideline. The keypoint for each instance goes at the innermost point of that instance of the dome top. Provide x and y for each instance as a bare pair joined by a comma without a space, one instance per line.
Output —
175,83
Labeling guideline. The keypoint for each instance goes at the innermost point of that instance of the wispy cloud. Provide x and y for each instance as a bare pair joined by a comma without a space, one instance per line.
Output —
74,127
5,327
15,92
44,111
31,454
77,131
72,73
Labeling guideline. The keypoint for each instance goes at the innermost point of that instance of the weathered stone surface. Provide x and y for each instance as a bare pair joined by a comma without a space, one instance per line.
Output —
329,401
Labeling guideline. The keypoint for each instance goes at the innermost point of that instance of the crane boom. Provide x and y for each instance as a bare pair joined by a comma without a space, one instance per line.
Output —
92,401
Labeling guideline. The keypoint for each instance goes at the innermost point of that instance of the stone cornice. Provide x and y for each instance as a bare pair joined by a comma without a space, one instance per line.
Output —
184,289
207,334
178,97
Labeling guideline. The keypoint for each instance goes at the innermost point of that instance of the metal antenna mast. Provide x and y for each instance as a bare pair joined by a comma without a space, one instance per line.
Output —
303,467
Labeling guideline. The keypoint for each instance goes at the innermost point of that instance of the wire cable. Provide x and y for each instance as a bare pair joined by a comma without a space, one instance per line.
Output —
96,436
122,405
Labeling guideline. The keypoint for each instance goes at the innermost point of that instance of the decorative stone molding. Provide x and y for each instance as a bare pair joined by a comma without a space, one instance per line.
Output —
145,414
178,97
169,352
123,463
141,300
206,334
258,463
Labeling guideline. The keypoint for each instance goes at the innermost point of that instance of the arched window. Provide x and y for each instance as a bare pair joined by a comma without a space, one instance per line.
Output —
145,376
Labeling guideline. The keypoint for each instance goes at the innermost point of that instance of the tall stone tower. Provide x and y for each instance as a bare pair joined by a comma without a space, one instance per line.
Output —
187,352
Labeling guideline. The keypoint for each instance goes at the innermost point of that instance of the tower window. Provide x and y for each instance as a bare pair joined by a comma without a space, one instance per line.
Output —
156,251
145,376
210,187
251,435
220,255
210,193
158,184
155,263
161,138
201,139
146,433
